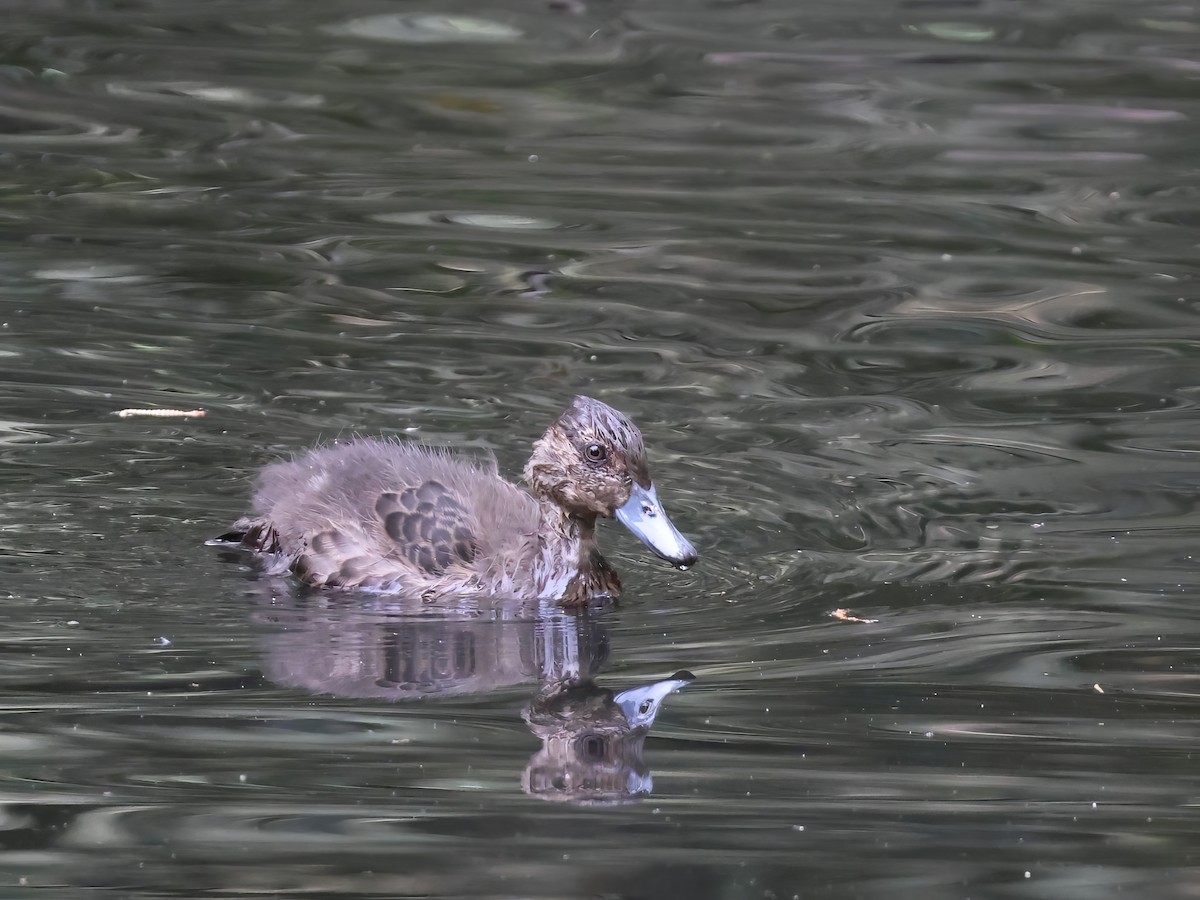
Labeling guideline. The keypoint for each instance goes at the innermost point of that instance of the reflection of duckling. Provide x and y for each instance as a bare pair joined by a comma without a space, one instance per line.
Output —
406,520
398,649
592,740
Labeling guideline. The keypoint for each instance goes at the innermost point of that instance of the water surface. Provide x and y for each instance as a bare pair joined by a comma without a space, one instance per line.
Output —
903,297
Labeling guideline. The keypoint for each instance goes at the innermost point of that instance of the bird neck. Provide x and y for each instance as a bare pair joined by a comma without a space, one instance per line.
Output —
569,550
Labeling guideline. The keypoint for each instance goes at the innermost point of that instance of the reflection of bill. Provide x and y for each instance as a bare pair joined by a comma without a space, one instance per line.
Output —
389,649
592,741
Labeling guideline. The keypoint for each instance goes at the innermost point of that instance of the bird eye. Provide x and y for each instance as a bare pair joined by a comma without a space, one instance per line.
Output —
596,452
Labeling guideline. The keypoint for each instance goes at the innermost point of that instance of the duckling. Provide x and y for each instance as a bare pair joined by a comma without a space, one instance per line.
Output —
408,520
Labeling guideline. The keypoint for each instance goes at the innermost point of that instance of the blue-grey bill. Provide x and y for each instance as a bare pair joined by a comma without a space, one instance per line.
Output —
641,704
643,515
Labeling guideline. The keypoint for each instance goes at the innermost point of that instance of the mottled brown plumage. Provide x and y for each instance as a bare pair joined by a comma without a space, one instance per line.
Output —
404,519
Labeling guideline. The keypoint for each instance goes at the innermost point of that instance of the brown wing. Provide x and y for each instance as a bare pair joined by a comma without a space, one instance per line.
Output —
430,527
420,531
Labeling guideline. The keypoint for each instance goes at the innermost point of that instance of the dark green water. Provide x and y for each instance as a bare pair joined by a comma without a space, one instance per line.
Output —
903,296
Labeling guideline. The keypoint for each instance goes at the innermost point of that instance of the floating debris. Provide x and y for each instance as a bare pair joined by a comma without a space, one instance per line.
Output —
844,615
162,413
424,29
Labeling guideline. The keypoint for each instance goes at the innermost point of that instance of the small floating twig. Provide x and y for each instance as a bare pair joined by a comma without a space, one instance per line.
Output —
844,615
163,413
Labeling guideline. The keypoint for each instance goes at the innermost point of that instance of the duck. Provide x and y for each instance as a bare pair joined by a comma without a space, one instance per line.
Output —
401,518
